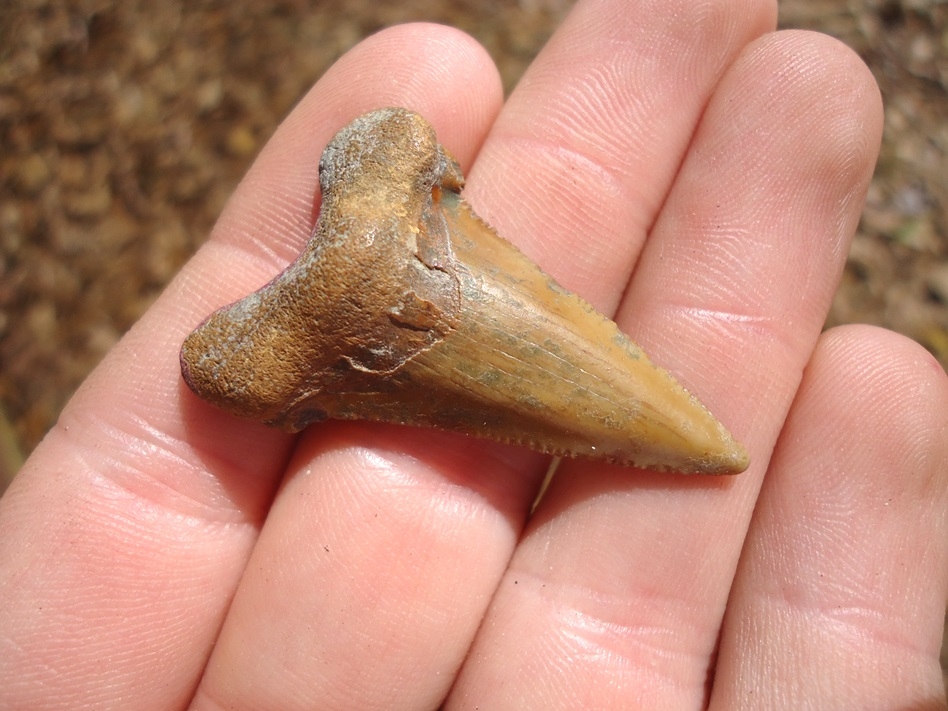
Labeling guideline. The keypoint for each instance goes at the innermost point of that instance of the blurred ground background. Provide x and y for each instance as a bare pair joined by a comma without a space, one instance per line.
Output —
124,126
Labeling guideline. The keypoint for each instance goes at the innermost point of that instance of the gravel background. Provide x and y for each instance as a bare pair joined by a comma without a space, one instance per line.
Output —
124,126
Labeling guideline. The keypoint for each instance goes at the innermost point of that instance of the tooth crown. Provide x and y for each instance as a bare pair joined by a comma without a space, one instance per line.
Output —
405,307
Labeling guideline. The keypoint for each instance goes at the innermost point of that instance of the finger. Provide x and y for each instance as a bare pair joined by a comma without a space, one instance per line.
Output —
432,519
602,121
124,536
622,580
841,590
324,612
840,595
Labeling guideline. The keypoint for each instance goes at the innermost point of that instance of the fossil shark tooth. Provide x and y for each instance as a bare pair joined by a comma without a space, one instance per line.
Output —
405,307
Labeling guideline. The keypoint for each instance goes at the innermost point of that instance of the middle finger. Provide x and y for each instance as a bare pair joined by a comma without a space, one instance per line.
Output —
616,594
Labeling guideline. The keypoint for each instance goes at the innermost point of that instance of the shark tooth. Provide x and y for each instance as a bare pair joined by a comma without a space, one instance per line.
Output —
405,307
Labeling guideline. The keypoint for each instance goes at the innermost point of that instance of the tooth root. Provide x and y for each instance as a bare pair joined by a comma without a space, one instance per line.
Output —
458,330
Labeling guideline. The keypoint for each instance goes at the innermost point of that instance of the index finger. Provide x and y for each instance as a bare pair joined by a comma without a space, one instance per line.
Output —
126,532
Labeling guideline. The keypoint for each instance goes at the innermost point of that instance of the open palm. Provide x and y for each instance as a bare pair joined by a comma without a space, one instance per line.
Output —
680,166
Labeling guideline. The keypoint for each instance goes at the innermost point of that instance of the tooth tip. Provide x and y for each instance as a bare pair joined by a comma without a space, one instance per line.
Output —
732,460
715,451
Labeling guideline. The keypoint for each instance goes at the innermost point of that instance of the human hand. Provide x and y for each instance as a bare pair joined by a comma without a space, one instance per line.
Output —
693,175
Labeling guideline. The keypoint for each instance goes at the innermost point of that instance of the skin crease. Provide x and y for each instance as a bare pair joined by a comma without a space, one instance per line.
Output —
677,164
